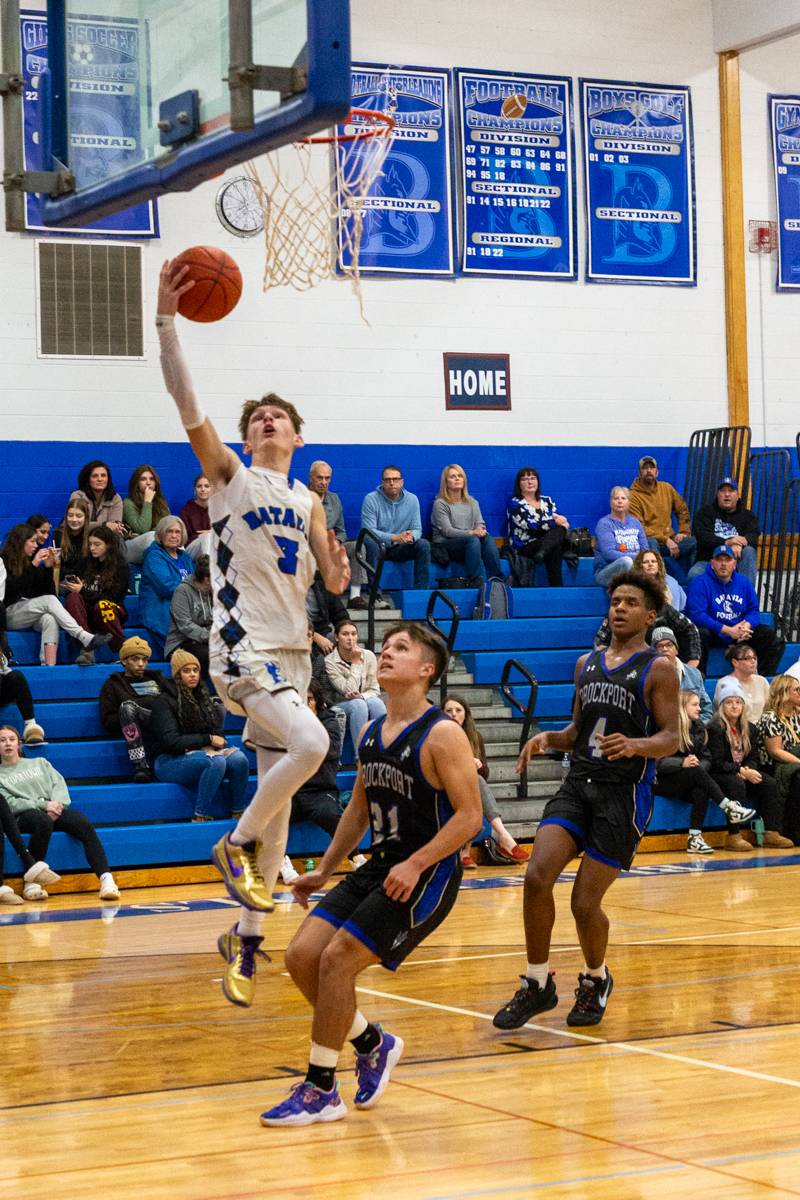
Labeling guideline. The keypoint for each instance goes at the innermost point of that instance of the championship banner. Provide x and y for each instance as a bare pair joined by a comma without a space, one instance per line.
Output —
639,166
784,123
408,212
104,69
516,162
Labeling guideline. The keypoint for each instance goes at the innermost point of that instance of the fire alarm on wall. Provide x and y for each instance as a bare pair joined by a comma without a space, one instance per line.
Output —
763,237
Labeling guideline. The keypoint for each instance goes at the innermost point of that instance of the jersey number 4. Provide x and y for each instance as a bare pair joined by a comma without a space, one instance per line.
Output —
598,732
287,563
385,823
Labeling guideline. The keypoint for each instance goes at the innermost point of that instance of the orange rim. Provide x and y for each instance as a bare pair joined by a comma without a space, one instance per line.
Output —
385,124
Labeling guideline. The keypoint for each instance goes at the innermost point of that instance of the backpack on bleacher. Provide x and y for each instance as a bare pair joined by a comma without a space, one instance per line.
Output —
494,601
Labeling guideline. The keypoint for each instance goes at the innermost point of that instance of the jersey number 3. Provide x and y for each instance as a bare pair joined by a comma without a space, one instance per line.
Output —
287,563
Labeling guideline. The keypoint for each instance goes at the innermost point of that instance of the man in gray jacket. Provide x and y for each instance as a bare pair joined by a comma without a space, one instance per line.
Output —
392,514
190,615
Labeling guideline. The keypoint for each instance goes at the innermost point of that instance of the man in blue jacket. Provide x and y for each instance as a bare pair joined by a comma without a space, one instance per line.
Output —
724,606
392,514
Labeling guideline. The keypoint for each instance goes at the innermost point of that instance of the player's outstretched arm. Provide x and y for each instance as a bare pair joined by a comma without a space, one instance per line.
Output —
661,694
349,832
330,554
555,739
448,765
218,461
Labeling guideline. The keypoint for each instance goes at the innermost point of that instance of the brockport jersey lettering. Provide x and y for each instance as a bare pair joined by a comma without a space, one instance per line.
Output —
261,565
612,701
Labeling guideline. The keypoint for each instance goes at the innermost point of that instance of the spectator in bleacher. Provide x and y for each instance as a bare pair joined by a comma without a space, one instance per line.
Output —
326,612
196,520
319,481
744,671
619,537
165,565
726,522
734,764
654,503
40,526
724,607
142,509
36,874
96,599
778,732
30,600
651,563
353,680
458,530
190,614
663,640
126,703
685,776
536,529
392,515
39,799
504,846
318,799
96,487
189,747
72,539
14,689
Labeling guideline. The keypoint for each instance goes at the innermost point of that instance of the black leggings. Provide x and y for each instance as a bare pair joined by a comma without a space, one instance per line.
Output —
547,547
320,807
9,828
40,826
695,786
14,690
761,796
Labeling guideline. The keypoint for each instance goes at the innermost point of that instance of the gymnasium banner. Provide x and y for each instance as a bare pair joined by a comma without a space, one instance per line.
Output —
105,70
408,214
784,123
516,165
639,170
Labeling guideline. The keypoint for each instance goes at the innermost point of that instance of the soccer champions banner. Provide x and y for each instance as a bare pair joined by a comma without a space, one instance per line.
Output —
639,167
408,214
517,167
104,69
784,121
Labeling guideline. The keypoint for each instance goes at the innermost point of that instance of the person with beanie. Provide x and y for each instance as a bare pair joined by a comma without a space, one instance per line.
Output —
188,746
126,703
734,764
744,671
663,640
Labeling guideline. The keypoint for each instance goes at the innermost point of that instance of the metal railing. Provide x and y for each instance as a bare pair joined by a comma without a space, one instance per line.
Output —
770,474
527,710
713,454
449,638
373,575
784,594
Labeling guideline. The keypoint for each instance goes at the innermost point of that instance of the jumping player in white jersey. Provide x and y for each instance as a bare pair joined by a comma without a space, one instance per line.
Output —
268,537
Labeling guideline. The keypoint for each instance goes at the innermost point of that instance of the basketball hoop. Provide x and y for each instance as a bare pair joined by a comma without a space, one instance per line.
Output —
307,196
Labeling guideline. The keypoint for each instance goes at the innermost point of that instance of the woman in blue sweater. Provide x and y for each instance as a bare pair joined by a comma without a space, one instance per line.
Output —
619,537
165,565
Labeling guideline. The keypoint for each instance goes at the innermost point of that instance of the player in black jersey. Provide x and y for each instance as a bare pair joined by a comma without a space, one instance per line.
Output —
417,789
624,717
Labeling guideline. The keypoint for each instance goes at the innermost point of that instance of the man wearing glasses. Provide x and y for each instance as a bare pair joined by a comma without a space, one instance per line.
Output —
392,514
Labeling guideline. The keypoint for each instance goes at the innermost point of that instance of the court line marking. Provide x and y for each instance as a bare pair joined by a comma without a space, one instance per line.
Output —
587,1039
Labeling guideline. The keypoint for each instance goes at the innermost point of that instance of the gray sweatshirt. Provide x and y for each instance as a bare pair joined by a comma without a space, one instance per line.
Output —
455,520
189,616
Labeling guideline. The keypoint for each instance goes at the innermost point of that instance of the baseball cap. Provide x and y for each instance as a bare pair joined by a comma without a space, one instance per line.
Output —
647,458
663,633
723,552
728,689
728,481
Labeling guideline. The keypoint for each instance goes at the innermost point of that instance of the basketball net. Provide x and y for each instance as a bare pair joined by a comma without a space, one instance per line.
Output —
313,196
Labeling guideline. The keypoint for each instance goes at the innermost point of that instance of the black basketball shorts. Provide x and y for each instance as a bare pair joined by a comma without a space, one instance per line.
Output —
607,820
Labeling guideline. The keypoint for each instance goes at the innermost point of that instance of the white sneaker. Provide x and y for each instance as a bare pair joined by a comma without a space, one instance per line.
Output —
9,896
40,873
108,888
34,891
358,860
736,813
697,844
287,872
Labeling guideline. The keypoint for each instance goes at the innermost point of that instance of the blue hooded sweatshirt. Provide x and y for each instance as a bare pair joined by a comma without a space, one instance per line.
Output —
712,603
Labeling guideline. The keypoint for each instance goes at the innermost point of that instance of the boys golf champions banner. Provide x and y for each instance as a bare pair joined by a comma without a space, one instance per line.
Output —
784,122
639,166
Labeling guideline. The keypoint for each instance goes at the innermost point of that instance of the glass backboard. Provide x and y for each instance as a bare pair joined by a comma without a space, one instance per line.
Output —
141,97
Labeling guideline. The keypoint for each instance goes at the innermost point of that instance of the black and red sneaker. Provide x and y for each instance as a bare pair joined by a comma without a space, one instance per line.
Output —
526,1002
591,997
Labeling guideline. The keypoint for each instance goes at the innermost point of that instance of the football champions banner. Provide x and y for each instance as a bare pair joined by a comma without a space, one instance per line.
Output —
784,122
516,165
104,79
639,169
408,214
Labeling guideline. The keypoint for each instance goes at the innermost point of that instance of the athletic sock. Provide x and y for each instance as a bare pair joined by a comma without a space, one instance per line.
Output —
360,1023
236,839
322,1067
28,724
367,1041
537,972
596,972
249,923
695,832
355,591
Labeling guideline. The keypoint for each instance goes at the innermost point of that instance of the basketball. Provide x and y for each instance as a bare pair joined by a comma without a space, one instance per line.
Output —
217,283
514,106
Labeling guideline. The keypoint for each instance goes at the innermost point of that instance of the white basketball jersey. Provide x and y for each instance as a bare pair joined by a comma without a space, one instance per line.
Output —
261,566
